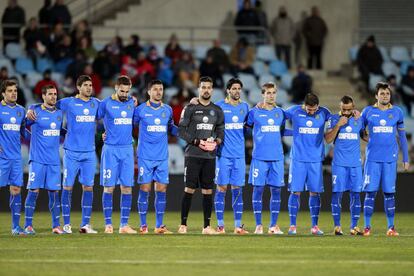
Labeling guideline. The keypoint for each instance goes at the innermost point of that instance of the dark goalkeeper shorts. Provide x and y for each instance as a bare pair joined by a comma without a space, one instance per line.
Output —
199,173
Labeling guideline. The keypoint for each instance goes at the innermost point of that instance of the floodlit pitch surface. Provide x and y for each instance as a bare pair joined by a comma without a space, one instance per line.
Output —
48,254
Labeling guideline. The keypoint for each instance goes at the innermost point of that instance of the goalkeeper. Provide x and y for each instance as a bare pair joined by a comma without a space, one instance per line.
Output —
202,127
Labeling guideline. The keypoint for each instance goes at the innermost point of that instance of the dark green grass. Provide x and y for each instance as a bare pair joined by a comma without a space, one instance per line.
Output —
192,254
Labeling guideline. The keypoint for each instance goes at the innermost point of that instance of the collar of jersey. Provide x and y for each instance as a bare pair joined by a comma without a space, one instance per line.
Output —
227,101
3,102
46,109
78,97
388,107
149,104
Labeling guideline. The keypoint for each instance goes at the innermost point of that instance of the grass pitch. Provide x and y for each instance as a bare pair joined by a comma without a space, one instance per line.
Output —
192,254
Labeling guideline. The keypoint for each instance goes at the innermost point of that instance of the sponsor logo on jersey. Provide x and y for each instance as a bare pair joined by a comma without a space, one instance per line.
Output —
205,126
270,128
231,126
348,136
52,131
383,128
12,126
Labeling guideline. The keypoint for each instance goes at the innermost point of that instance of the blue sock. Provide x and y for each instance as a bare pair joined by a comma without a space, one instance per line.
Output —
293,206
66,205
29,207
54,207
87,203
126,200
107,207
369,207
274,205
219,206
237,203
15,203
336,207
143,206
314,207
389,206
160,203
257,203
355,208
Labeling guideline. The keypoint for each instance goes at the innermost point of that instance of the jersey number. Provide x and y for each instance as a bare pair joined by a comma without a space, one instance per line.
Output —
255,173
106,173
334,179
32,177
367,180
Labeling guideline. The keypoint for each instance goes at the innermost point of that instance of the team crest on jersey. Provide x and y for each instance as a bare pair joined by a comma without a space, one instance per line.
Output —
128,107
317,116
355,123
18,114
276,115
212,113
390,116
241,111
59,118
92,105
163,115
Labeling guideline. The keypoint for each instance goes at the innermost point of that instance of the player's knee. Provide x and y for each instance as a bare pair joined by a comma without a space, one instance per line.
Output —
189,190
313,194
145,187
34,190
159,187
235,187
87,188
296,193
67,188
15,190
221,188
109,190
126,190
207,191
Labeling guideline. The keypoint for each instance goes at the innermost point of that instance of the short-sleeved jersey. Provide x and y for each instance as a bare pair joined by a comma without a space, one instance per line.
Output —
235,117
117,118
45,138
11,119
308,133
201,122
382,132
154,124
347,149
267,128
80,122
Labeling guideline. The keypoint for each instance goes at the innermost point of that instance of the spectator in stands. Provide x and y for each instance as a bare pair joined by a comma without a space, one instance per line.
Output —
115,51
103,67
47,80
178,102
76,67
56,36
262,37
45,14
247,17
96,80
154,58
211,69
173,49
4,73
64,49
315,31
369,60
242,57
283,31
396,95
219,56
80,30
13,15
32,36
186,71
298,37
133,48
85,44
60,14
301,85
146,71
407,88
164,72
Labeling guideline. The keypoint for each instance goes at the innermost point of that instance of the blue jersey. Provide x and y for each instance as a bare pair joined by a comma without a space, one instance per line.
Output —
382,132
154,124
308,133
234,118
347,149
267,128
117,118
45,139
11,119
80,123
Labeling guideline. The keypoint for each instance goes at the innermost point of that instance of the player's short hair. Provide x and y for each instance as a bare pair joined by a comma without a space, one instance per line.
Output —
311,99
382,85
123,80
268,85
7,83
205,79
81,79
347,99
232,81
47,87
154,82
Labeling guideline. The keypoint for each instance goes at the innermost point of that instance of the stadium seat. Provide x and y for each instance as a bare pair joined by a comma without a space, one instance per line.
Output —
106,92
390,68
169,93
265,53
259,68
14,51
248,80
32,79
399,54
58,78
353,52
226,48
404,67
278,68
373,80
266,78
286,81
200,51
175,159
384,53
226,78
255,96
43,64
282,98
217,95
98,46
62,65
24,65
5,62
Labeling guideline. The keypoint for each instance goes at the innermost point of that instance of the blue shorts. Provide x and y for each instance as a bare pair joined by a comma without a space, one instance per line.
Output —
75,162
305,176
230,171
380,173
11,172
42,176
117,166
151,170
267,173
346,179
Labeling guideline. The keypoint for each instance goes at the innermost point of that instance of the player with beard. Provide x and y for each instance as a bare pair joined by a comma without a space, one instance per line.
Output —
202,127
